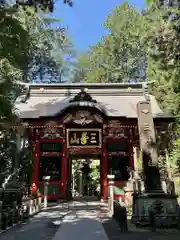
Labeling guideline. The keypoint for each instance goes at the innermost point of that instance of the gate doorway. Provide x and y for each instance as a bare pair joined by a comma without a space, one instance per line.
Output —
84,177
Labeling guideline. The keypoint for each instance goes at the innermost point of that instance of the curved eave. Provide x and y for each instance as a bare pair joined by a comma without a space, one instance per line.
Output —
114,105
96,105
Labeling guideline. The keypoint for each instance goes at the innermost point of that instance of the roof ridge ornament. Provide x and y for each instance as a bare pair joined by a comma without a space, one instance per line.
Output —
83,96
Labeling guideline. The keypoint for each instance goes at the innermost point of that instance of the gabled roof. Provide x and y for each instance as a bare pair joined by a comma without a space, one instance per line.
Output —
114,100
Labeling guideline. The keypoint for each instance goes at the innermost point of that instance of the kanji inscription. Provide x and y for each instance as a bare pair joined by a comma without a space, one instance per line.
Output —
83,138
146,130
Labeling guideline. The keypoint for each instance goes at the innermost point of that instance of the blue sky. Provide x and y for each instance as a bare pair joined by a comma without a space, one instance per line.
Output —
86,17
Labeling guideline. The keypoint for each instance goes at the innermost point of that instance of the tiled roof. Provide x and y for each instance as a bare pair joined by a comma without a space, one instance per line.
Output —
112,99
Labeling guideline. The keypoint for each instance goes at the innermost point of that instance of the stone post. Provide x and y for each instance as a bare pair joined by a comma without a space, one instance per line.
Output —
80,184
111,194
1,214
147,131
164,186
46,183
135,158
73,184
45,194
148,147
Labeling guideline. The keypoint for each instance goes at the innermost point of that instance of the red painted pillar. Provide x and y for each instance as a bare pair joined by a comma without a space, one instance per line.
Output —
36,157
104,171
64,168
131,155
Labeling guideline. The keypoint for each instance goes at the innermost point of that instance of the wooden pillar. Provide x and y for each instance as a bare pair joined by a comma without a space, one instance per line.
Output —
104,172
36,157
131,155
64,169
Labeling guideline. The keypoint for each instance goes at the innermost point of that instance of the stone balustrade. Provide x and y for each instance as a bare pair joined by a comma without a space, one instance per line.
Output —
10,216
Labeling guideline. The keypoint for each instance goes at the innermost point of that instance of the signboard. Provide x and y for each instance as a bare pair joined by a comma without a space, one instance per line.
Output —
84,138
51,147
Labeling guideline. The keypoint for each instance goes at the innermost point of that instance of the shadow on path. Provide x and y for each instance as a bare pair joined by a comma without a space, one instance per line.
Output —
81,225
43,226
113,231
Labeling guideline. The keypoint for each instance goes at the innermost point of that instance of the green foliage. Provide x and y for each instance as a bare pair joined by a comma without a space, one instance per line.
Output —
43,5
143,47
81,68
14,42
149,2
177,187
163,68
13,37
28,46
121,55
32,49
174,158
163,63
47,48
95,171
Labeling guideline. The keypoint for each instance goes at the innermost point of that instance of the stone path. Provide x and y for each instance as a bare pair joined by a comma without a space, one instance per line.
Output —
43,226
82,223
76,220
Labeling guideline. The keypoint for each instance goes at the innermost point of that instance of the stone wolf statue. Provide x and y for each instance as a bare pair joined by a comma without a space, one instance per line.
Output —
133,174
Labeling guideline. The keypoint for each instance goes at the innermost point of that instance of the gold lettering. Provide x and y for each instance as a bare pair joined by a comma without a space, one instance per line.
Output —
93,138
146,127
74,139
84,138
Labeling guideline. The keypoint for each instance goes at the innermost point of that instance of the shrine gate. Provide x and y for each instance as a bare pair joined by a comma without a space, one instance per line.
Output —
67,122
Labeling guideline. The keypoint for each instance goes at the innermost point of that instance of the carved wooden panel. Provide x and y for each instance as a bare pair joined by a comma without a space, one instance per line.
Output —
82,118
51,130
146,130
91,151
114,129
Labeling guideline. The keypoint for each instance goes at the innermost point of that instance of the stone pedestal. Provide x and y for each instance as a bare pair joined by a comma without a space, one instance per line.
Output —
164,205
154,199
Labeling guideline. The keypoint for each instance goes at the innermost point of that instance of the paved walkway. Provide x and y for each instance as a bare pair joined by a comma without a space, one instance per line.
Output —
43,226
76,220
82,223
79,221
